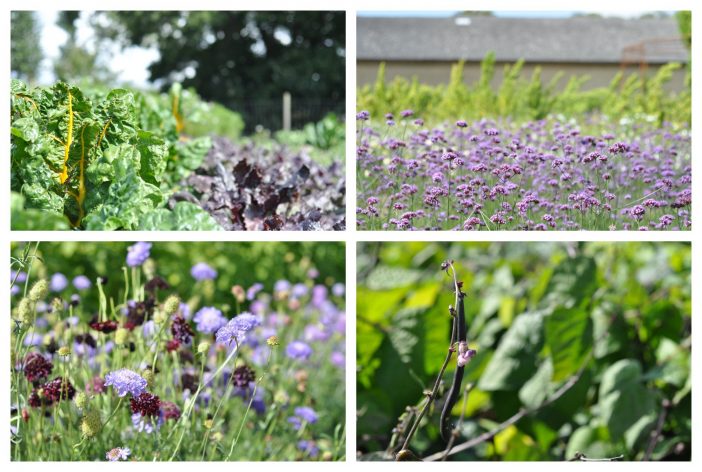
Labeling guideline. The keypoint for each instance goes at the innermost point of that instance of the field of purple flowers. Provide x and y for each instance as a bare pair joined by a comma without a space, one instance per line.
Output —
541,175
142,364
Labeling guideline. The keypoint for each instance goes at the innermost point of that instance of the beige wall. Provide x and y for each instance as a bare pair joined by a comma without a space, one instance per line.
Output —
434,73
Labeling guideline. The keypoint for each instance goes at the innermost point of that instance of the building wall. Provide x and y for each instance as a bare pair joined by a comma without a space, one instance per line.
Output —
434,73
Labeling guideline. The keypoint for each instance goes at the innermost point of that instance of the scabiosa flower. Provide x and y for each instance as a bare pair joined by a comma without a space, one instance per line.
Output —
146,404
126,381
118,454
58,282
138,253
58,389
37,367
338,289
298,350
104,326
237,328
95,386
146,424
243,376
202,271
170,411
181,330
253,290
282,286
209,320
308,447
81,282
338,359
307,414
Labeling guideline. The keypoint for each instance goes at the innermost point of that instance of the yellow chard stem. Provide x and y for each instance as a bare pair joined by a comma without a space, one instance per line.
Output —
69,140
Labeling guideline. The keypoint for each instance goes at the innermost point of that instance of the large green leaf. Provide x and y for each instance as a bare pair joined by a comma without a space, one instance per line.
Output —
568,339
573,281
386,278
516,357
185,216
623,399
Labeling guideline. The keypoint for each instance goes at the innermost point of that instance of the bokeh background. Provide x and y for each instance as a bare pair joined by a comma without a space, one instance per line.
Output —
536,313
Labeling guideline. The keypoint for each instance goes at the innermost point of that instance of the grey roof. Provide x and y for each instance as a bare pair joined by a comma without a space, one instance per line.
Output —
577,39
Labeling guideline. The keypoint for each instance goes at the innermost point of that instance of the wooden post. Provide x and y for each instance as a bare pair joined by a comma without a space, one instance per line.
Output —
287,105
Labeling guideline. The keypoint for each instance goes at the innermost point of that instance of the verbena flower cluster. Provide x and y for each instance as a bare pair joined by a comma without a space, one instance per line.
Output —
541,175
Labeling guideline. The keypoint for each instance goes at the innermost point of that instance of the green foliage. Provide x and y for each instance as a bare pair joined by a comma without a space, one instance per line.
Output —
25,53
609,321
100,157
526,99
238,55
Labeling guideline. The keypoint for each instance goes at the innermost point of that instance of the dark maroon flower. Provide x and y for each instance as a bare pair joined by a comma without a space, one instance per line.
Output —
157,283
137,312
96,385
146,404
243,376
172,345
58,389
189,382
104,326
181,330
37,367
86,339
170,411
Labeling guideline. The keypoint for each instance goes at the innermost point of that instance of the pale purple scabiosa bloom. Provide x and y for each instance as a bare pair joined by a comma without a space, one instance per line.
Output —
464,354
21,276
202,271
308,447
126,381
81,282
298,350
253,290
146,424
299,290
282,286
138,253
58,282
237,328
303,413
338,359
209,319
338,289
118,453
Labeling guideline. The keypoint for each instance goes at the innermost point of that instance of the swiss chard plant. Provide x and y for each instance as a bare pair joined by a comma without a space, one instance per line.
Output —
100,160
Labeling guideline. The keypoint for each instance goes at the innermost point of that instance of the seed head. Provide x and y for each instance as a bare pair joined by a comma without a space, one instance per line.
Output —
203,347
81,400
39,290
24,311
91,424
64,351
171,305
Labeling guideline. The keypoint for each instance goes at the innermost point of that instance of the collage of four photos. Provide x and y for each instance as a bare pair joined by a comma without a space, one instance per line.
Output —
573,345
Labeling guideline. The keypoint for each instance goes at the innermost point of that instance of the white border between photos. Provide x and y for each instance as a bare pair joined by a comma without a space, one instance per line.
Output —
351,236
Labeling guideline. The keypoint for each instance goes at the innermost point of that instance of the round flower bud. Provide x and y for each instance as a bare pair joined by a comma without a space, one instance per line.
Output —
171,304
24,311
273,341
56,305
39,290
121,336
64,351
149,268
148,375
81,400
91,424
239,293
203,347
